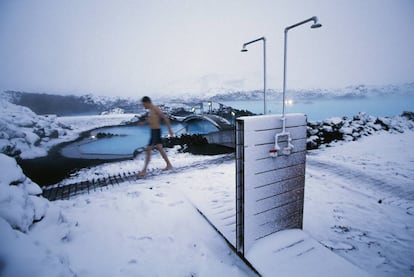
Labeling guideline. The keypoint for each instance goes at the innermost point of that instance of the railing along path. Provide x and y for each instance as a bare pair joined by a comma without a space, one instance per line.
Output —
65,191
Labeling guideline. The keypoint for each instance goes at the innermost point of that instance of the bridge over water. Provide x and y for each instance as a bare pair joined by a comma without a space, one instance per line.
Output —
224,136
220,122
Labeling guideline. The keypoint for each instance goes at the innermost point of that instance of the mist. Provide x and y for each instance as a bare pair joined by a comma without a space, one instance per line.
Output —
131,48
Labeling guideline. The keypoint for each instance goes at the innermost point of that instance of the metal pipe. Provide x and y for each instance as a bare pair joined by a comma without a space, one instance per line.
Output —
253,41
264,76
264,67
313,18
314,25
284,77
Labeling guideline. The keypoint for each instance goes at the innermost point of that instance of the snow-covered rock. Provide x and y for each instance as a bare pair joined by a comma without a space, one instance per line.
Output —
346,130
337,129
333,121
26,134
327,129
313,142
20,204
114,111
20,207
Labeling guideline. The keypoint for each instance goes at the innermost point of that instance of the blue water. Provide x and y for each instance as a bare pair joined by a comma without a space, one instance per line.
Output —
129,138
326,108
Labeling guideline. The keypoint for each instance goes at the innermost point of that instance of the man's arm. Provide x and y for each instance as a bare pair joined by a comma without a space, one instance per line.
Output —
166,120
142,121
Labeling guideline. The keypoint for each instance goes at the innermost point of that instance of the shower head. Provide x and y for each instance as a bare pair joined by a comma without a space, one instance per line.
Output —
315,24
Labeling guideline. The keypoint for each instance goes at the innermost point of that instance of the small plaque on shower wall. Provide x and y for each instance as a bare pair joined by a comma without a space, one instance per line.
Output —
269,188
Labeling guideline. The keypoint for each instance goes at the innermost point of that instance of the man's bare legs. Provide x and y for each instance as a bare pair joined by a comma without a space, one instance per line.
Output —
164,156
148,158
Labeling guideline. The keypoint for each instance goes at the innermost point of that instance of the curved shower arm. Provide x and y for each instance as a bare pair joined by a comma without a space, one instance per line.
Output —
253,41
313,18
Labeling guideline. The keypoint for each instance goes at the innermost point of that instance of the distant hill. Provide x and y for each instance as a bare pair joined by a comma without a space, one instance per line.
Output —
61,105
42,103
350,92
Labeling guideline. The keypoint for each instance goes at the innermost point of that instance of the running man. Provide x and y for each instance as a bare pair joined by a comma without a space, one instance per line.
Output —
154,120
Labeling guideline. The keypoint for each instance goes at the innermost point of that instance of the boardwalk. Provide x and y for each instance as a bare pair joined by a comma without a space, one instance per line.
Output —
66,191
62,192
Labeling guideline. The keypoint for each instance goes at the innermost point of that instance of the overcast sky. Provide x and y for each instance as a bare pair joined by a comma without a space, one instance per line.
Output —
136,47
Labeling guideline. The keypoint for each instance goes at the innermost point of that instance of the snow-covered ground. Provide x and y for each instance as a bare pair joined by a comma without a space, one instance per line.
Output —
145,228
359,202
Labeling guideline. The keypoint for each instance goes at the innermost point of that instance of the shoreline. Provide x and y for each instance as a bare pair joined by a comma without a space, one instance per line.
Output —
56,166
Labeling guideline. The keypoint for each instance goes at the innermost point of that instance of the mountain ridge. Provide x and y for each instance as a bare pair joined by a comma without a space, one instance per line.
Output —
89,104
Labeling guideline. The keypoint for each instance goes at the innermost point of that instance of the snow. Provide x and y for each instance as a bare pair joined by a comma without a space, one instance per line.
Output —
134,230
360,195
27,135
19,192
144,228
152,216
21,255
276,254
359,203
87,122
333,120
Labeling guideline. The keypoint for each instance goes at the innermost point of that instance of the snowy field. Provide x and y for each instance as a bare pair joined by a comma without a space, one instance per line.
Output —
359,202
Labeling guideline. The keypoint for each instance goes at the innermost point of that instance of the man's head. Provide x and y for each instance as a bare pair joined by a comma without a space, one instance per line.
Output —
146,101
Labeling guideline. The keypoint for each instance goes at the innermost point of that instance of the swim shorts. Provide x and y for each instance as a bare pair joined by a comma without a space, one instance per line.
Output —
155,137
